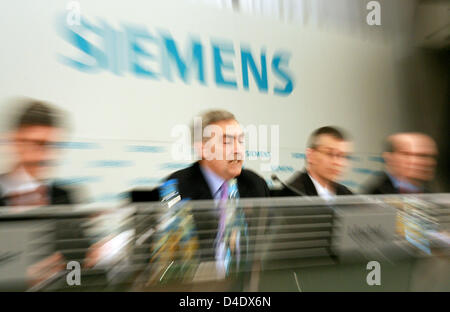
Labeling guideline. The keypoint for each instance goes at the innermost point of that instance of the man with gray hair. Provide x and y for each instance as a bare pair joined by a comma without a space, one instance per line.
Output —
219,143
218,175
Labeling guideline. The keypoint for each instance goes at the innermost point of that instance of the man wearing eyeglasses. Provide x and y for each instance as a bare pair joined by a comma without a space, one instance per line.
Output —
35,131
410,161
32,138
326,159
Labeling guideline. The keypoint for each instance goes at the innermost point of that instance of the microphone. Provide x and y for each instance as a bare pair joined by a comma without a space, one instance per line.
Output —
275,178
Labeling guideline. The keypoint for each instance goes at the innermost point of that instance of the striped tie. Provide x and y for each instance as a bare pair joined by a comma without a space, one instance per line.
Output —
223,214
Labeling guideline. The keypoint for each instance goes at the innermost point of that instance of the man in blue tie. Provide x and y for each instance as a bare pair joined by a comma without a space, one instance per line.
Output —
219,175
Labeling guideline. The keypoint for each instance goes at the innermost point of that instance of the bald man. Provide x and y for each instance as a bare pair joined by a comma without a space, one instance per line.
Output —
410,161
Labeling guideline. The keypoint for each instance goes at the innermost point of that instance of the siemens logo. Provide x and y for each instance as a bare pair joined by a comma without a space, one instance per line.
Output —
77,145
110,164
110,197
376,159
257,154
145,181
77,180
173,166
349,183
145,149
367,171
283,169
354,158
298,155
155,55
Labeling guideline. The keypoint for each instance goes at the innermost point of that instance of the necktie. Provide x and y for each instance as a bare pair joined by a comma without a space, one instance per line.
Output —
231,224
223,210
221,249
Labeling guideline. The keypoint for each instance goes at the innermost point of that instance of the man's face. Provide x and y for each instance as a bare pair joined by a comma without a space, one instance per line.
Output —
224,151
414,158
32,146
329,158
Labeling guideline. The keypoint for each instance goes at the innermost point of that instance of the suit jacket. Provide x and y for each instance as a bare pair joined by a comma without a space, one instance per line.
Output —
58,196
65,229
381,185
302,182
192,184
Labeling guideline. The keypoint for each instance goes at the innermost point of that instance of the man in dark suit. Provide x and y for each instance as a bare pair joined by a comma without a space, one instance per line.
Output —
192,183
32,137
410,161
220,147
221,157
326,159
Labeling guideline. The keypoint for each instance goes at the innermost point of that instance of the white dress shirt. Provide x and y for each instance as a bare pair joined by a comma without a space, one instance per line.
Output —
322,191
18,182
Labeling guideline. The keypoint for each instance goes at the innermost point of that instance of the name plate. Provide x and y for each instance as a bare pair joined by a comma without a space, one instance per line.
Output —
364,230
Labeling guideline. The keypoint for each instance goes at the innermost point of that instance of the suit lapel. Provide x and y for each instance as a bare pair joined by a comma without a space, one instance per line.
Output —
242,187
303,183
387,187
341,190
309,188
202,189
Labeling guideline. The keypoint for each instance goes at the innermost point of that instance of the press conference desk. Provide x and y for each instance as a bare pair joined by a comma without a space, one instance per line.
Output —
291,246
406,275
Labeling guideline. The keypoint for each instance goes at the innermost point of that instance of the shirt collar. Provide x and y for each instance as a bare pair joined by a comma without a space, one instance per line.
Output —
321,191
399,184
213,180
19,182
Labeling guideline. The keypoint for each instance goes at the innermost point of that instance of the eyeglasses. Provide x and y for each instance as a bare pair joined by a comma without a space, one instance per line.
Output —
409,154
36,144
333,154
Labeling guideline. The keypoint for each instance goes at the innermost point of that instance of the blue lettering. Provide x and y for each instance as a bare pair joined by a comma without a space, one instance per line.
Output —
260,78
195,56
278,61
135,51
220,64
93,57
138,52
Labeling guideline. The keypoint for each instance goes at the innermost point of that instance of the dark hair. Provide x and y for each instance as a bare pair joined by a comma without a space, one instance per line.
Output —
328,130
37,113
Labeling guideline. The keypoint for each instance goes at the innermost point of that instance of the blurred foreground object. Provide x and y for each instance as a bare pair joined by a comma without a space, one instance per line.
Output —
37,128
174,249
292,244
